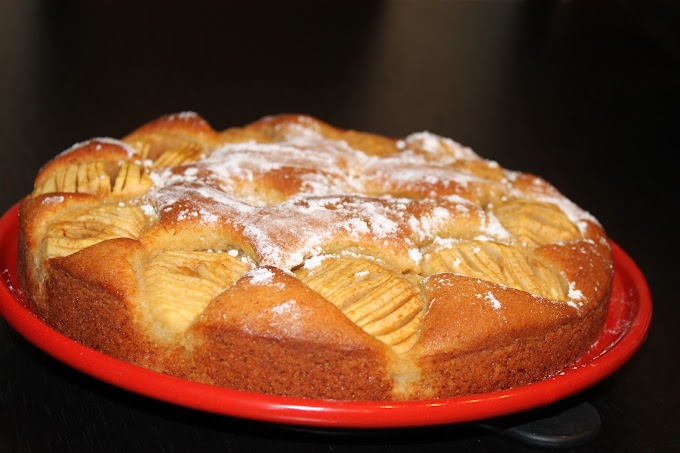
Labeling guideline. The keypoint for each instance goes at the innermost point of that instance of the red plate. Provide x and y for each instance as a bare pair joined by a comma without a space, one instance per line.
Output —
626,329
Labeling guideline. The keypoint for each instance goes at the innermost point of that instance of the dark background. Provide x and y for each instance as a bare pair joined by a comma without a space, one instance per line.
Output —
586,94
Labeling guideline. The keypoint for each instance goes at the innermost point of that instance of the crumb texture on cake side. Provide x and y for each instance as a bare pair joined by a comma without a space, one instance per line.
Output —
292,257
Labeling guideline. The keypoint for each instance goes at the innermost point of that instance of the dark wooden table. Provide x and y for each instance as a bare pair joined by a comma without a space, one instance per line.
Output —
586,94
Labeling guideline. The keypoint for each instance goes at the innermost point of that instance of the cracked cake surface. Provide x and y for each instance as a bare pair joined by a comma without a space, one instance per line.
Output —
292,257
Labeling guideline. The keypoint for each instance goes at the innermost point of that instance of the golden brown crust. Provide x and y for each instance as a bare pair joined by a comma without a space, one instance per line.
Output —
271,336
295,258
479,336
92,304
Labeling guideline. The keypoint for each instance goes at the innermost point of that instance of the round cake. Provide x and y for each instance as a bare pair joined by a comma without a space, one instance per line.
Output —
292,257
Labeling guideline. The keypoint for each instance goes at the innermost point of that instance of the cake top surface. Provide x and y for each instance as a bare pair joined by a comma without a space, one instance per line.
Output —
298,173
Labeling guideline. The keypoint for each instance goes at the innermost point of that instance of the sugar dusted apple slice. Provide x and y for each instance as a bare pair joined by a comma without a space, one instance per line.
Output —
536,223
498,263
132,180
178,285
77,229
183,133
79,177
384,304
86,167
178,156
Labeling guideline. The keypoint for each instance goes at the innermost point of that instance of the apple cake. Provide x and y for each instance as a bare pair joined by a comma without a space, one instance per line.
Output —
292,257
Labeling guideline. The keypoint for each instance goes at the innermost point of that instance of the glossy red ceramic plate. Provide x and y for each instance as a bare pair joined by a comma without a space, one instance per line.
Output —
626,329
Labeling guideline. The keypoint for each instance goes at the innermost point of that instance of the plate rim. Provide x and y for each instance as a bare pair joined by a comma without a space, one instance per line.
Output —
314,412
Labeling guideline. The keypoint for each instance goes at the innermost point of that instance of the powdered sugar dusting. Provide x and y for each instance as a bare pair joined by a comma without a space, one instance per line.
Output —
285,317
489,297
129,150
260,276
575,294
494,228
183,116
54,199
286,308
294,198
439,146
148,209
